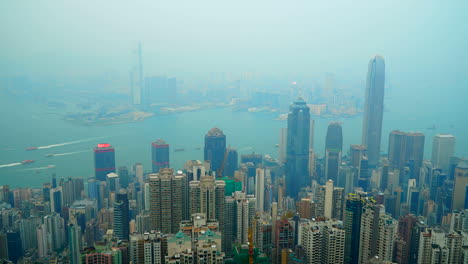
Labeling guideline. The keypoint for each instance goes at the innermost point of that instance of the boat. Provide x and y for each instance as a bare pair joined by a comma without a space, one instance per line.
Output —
32,148
179,149
277,145
198,148
27,161
50,155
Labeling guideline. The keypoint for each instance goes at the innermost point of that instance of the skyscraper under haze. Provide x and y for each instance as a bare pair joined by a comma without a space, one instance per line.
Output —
406,149
104,161
166,200
160,155
333,149
297,150
373,109
121,216
443,147
215,148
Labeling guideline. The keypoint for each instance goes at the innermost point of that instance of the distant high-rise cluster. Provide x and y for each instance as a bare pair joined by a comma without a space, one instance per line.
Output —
343,204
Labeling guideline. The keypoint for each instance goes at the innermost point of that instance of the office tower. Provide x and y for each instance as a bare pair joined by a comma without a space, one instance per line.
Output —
356,152
364,174
297,149
443,147
373,109
143,222
283,141
323,241
333,149
160,155
112,182
329,201
138,169
405,240
352,224
406,149
72,190
56,199
377,234
240,213
260,189
74,244
460,197
166,201
231,164
137,86
207,196
104,161
121,216
284,238
15,250
215,149
124,177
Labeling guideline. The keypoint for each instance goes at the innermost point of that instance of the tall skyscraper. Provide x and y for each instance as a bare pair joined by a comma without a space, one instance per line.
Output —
378,232
406,149
373,109
232,161
160,155
283,141
329,201
333,150
207,196
297,150
460,187
215,148
121,216
443,147
352,223
166,201
104,161
240,213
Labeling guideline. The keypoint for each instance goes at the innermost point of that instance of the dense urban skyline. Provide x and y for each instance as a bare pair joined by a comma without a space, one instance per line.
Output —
206,132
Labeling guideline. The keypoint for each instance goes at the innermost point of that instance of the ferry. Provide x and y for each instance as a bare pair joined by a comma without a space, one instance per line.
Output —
32,148
27,161
179,149
49,155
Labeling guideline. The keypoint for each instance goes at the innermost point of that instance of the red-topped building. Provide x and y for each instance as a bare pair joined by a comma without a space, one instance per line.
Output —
104,160
160,155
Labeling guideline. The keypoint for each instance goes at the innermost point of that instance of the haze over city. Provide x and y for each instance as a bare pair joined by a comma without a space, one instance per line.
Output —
292,116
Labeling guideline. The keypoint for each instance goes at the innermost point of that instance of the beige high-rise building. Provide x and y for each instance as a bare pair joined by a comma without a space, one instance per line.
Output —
207,196
330,201
166,200
377,234
443,147
323,241
460,186
437,246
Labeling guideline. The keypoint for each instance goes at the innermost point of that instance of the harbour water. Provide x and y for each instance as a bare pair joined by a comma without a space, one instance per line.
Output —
28,124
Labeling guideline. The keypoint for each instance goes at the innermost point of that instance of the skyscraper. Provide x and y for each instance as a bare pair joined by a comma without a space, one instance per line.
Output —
460,187
333,149
232,161
166,201
378,232
297,150
352,223
443,147
160,155
330,201
207,196
283,139
215,148
240,213
373,109
406,149
121,216
104,161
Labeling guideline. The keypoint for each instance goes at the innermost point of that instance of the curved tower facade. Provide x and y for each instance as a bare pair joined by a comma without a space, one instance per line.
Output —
297,150
215,148
373,109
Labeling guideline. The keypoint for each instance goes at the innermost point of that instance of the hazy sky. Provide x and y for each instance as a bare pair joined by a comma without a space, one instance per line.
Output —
424,42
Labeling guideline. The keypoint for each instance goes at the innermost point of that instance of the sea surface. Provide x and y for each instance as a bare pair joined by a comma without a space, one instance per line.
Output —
25,123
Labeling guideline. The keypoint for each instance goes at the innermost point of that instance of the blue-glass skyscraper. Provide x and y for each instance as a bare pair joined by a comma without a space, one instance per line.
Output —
373,109
215,148
297,150
333,150
104,161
